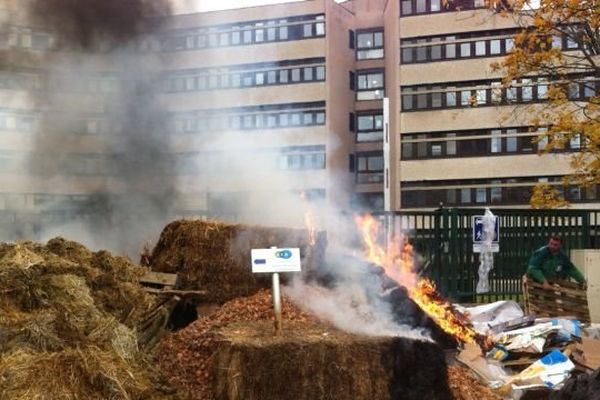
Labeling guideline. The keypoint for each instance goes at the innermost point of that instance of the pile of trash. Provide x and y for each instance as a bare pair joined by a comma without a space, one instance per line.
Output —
67,325
540,354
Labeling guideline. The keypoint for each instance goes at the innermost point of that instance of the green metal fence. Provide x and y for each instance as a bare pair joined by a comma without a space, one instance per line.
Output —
444,240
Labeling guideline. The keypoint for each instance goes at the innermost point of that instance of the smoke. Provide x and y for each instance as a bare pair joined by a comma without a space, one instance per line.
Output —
101,157
91,23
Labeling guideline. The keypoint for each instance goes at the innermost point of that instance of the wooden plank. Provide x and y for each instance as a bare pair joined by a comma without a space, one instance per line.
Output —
159,278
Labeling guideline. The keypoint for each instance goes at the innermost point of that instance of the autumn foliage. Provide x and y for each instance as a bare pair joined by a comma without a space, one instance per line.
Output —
560,42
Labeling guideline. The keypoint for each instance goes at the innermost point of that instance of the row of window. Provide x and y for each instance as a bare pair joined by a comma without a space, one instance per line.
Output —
506,191
415,7
246,33
485,93
468,45
227,79
20,122
293,158
39,81
477,143
249,118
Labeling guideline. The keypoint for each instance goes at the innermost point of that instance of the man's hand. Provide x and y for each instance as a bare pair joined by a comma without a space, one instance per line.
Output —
547,286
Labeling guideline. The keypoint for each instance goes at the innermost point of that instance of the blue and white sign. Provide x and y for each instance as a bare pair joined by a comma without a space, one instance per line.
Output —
276,260
478,229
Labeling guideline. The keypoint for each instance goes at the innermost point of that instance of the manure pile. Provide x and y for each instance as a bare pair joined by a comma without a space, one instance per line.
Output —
215,256
67,325
232,354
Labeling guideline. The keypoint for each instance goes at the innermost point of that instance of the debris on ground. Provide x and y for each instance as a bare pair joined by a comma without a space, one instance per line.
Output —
465,386
213,256
68,325
531,354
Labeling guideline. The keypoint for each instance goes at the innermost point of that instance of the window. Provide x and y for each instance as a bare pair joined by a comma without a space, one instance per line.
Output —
259,34
370,85
451,97
465,50
235,35
480,48
435,5
495,47
308,73
407,55
369,168
496,192
283,31
450,48
320,73
465,195
370,127
320,26
511,140
480,195
421,6
496,93
407,99
308,30
407,7
284,76
272,77
296,75
259,78
421,50
496,142
436,50
436,97
526,90
369,45
451,144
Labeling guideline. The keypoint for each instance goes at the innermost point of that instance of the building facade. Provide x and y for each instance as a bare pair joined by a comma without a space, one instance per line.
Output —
290,97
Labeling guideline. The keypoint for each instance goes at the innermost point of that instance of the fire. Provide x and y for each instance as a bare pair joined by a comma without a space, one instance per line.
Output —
398,262
309,221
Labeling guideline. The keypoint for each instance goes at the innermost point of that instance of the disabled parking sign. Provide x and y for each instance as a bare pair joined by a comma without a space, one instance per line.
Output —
478,236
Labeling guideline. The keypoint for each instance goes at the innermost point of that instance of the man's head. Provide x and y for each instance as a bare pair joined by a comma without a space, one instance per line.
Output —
554,244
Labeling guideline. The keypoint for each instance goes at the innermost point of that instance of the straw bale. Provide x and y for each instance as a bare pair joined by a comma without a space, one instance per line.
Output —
62,327
215,256
314,361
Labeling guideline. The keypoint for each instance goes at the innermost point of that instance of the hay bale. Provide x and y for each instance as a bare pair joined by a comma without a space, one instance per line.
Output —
62,332
215,256
313,361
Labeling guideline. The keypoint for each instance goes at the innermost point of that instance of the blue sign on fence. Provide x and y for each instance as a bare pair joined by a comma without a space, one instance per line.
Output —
478,229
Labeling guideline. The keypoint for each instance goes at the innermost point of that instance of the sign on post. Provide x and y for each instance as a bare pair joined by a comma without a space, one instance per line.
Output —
478,234
276,260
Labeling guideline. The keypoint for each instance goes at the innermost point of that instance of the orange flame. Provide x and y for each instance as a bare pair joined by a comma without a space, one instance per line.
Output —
309,221
399,264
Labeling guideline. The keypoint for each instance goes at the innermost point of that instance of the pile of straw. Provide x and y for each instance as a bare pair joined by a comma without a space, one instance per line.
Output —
67,319
215,256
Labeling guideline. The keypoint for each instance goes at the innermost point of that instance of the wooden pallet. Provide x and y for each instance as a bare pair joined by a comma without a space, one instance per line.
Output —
565,299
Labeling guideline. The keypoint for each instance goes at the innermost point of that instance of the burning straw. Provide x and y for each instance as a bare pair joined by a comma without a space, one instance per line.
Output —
398,262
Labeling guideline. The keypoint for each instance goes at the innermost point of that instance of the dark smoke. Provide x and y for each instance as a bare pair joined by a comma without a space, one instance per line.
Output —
133,194
87,23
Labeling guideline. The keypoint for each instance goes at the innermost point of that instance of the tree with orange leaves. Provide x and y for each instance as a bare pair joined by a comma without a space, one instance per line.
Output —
560,42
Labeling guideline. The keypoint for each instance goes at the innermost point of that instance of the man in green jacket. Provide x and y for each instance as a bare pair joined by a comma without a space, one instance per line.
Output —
549,263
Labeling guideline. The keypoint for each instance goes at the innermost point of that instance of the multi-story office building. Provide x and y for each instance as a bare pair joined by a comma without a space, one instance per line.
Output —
290,97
